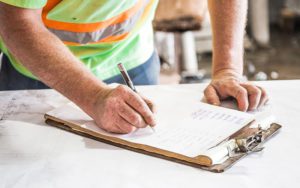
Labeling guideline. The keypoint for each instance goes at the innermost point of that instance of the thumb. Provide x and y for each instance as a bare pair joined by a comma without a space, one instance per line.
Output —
211,96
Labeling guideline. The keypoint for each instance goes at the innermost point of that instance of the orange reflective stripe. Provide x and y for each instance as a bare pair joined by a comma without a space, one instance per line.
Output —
87,27
115,38
49,6
147,11
73,43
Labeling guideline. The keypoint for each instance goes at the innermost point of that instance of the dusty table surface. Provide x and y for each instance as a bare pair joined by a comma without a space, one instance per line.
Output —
33,154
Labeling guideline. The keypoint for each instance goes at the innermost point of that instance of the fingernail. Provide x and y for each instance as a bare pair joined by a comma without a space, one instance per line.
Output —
154,124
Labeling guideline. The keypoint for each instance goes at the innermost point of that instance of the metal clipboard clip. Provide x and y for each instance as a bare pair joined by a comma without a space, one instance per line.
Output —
249,144
245,142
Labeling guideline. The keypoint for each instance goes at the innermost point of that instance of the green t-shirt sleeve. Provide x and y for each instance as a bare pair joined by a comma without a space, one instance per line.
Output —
32,4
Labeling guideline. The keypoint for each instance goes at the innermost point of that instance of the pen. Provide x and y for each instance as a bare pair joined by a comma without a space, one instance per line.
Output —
126,77
128,82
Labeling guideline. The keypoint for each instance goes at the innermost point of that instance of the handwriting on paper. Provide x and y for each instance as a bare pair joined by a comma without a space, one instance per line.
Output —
210,114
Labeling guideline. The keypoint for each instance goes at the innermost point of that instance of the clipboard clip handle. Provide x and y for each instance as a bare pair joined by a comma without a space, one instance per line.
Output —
251,143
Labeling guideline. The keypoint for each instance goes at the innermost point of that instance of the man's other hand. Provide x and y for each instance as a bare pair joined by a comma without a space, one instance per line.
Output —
227,84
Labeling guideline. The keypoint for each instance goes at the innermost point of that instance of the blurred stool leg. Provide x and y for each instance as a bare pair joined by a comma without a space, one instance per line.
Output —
259,17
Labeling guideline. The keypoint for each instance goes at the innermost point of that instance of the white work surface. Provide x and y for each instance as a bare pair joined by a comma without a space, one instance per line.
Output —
33,154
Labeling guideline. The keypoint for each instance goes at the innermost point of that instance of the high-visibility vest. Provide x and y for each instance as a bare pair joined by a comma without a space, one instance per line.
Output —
113,29
101,33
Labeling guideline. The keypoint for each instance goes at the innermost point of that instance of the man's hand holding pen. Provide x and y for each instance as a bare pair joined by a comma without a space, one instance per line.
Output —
121,110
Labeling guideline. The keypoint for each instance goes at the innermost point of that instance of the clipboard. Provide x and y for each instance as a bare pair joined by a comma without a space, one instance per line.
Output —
244,142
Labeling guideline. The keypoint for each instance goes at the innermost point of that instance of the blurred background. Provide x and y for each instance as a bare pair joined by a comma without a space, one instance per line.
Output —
184,40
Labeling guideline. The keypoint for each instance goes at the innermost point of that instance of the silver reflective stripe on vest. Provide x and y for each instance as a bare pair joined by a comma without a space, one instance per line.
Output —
90,37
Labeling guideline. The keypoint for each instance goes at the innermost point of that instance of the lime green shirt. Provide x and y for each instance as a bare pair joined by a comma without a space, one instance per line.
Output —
100,57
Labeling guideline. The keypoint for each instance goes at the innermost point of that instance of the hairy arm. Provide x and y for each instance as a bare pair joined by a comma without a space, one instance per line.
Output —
228,19
51,61
46,56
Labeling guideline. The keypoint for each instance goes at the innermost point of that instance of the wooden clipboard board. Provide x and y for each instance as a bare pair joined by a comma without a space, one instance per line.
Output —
198,162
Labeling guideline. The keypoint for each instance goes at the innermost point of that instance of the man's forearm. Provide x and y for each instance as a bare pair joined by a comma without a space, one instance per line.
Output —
228,18
48,59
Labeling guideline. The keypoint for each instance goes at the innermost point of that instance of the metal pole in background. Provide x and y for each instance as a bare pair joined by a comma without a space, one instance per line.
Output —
189,56
259,19
190,70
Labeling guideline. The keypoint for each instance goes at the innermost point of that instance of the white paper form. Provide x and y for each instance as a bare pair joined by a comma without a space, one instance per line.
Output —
185,125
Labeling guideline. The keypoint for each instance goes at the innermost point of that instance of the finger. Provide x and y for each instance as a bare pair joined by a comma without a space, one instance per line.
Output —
124,126
139,105
131,116
150,104
254,95
211,95
264,97
240,94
